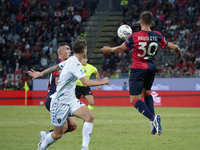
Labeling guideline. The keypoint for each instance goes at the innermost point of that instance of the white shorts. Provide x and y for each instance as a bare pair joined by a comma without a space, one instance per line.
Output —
60,111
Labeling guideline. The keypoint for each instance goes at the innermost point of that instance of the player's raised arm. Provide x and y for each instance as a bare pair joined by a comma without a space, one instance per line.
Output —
116,49
90,83
37,74
173,47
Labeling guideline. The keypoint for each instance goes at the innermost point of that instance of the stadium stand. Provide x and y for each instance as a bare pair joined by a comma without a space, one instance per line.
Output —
31,29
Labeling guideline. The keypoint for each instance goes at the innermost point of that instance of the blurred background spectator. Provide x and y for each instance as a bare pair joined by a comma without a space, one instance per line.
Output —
30,31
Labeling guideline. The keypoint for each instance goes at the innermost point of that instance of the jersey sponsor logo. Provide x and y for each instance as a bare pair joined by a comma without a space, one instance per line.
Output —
78,64
156,98
160,87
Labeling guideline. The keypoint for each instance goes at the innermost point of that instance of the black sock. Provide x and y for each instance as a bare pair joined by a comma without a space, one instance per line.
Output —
143,109
149,102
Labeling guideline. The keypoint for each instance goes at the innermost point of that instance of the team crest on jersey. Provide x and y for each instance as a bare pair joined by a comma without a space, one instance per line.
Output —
59,120
78,64
85,71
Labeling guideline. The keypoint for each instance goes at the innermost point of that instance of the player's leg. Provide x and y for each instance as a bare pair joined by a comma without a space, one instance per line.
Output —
51,137
47,104
89,97
148,82
81,111
78,92
71,123
148,99
156,123
90,100
69,126
136,83
44,133
59,113
149,102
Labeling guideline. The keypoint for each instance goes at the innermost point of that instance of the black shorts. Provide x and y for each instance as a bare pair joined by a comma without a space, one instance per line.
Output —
81,90
48,101
139,79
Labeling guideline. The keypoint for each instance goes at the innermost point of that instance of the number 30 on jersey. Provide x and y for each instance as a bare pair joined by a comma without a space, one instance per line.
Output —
147,51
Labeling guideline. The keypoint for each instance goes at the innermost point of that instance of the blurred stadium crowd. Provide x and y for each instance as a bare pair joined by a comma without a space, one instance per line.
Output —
178,21
29,33
31,29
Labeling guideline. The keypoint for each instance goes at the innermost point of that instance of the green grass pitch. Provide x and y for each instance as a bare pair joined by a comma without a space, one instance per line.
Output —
115,128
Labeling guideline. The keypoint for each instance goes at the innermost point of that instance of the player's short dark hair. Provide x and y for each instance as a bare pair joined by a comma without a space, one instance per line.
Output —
61,44
79,45
146,17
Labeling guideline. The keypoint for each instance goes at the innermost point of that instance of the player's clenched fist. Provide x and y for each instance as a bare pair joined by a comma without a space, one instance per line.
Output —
105,49
105,80
177,50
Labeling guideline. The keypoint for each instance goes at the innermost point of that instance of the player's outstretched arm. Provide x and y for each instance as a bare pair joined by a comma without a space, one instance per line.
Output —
89,83
173,47
34,74
116,49
37,74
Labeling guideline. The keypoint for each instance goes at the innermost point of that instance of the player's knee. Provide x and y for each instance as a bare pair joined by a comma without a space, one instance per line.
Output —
147,94
72,128
90,118
91,103
134,101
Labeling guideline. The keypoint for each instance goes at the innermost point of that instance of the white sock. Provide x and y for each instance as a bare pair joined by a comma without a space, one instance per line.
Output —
48,141
86,132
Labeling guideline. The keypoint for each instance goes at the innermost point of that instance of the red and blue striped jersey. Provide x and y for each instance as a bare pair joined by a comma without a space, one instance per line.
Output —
52,84
145,46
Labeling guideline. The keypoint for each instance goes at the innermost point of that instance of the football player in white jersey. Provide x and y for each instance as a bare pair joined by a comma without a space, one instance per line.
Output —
64,101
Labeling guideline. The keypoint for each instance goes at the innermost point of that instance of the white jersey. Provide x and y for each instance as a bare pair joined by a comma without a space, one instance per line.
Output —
71,71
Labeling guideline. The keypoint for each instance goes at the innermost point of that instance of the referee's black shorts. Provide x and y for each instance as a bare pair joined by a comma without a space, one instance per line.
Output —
81,90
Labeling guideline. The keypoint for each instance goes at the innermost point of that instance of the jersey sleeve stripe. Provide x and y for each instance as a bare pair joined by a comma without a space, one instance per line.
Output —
126,46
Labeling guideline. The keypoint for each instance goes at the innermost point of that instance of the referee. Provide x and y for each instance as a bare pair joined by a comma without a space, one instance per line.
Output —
88,69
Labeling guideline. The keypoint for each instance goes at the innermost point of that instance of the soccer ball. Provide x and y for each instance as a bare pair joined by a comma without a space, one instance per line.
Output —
41,103
124,31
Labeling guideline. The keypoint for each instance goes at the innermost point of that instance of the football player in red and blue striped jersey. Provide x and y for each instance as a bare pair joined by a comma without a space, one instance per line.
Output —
144,44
